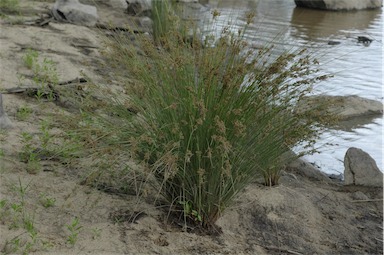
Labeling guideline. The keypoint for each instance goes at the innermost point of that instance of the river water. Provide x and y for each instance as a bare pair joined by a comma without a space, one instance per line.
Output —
357,67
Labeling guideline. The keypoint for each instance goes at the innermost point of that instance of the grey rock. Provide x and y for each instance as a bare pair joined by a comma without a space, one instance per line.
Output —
139,7
286,177
72,11
345,107
361,169
336,177
303,168
333,42
145,22
118,4
340,5
358,195
5,122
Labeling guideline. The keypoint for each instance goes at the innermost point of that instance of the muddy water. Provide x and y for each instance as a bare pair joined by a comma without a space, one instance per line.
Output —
357,67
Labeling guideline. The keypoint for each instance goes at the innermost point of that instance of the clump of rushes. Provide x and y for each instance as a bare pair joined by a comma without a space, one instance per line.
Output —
207,120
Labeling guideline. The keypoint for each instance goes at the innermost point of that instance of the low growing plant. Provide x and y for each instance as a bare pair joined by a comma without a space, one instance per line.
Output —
3,209
9,7
29,154
17,215
23,112
45,75
44,145
47,201
31,58
74,230
96,233
45,136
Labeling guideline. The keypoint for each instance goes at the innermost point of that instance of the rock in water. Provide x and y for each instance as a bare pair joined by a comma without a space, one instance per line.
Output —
361,169
345,107
338,5
4,120
72,11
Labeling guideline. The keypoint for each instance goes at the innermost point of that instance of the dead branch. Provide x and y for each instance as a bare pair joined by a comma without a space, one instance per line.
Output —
33,90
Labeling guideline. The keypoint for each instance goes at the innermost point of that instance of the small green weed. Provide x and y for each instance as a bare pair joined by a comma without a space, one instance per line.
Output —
2,163
33,164
23,112
3,203
190,212
9,7
45,136
13,246
74,229
46,245
29,154
27,149
96,232
47,201
34,147
17,207
22,190
45,75
29,226
3,209
31,58
17,215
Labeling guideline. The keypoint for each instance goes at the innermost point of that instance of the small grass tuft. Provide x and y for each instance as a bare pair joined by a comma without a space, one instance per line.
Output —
30,58
23,112
47,201
9,7
74,230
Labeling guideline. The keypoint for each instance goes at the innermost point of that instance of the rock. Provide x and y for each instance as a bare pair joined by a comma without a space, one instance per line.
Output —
361,169
336,177
364,40
358,195
340,5
145,22
139,7
333,42
345,107
286,177
340,22
306,169
72,11
118,4
4,120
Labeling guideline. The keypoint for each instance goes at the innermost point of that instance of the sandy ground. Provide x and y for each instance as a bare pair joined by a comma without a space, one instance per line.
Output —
302,215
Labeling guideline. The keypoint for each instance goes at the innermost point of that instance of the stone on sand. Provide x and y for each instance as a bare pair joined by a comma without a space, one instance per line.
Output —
4,120
72,11
361,169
